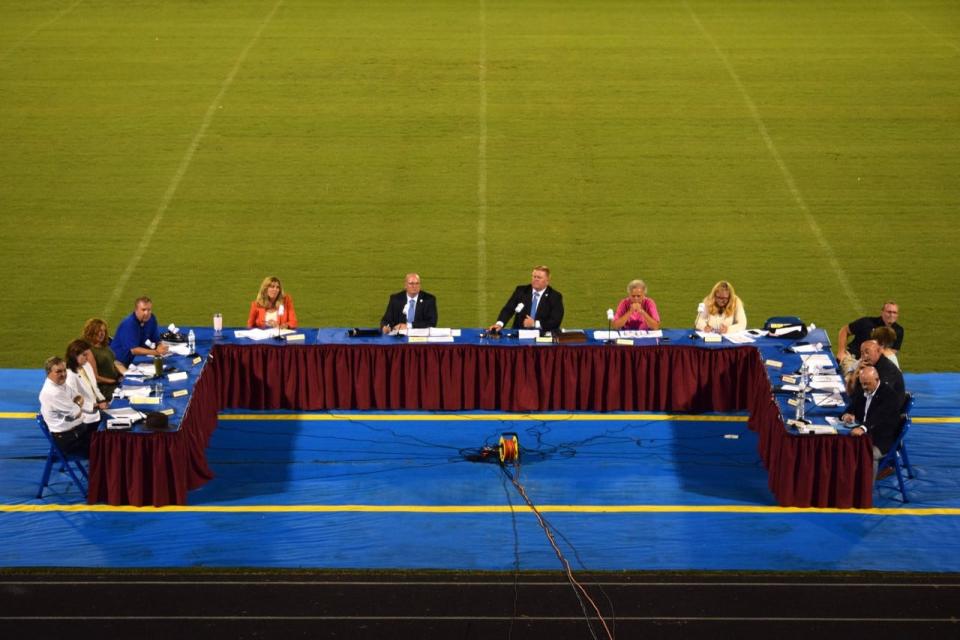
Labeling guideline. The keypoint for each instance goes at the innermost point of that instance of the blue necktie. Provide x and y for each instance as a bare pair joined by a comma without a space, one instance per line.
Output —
536,303
411,311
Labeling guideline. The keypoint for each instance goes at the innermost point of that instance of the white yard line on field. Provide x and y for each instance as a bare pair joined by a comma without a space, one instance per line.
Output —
482,175
784,170
19,43
182,169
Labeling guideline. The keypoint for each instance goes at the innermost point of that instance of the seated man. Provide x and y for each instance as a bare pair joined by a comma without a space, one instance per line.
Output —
138,334
872,356
410,308
848,354
876,409
61,408
533,306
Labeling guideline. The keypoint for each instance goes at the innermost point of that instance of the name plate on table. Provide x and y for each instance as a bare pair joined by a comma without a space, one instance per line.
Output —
528,334
712,337
789,379
179,376
544,339
296,337
413,339
167,412
776,364
144,400
627,342
179,393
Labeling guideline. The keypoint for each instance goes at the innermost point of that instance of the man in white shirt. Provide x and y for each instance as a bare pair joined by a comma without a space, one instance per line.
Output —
61,409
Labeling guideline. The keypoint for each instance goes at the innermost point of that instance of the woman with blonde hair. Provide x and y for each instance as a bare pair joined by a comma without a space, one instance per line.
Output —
106,368
273,308
721,311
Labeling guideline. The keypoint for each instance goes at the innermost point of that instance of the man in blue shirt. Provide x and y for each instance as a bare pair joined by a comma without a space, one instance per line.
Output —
138,334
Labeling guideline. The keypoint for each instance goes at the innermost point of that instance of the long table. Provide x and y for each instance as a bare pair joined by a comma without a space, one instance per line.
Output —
331,371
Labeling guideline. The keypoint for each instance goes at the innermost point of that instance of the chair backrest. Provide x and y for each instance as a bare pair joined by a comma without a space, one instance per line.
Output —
46,430
904,427
907,403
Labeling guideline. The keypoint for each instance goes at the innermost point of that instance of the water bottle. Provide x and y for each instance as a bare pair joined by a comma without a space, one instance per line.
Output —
192,341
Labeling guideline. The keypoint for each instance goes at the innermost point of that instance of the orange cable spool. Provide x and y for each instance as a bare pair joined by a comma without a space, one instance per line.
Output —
509,448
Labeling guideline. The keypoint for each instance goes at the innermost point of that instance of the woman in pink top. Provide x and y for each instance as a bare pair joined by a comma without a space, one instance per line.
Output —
636,312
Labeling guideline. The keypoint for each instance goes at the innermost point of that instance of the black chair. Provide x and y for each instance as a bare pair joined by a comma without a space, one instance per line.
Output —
894,458
72,464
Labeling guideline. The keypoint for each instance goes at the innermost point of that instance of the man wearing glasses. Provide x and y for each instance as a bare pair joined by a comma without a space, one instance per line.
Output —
410,308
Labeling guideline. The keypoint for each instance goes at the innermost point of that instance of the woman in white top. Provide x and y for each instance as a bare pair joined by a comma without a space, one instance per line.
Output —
721,311
83,381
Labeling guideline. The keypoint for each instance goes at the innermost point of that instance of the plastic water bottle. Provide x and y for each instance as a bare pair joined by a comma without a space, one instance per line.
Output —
192,341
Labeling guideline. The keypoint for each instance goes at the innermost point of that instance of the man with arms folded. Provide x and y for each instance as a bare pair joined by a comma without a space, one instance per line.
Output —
542,305
410,308
61,408
876,409
138,334
848,354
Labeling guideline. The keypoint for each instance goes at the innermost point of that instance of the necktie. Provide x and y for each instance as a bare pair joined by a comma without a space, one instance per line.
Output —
411,310
535,304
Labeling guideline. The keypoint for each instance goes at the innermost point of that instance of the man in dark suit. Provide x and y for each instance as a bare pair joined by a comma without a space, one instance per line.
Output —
872,355
542,305
876,409
410,308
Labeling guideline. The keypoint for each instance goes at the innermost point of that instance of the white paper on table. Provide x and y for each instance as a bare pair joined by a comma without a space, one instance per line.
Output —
127,413
818,360
827,386
415,333
440,339
828,400
642,333
260,334
790,387
829,377
439,332
605,335
818,429
741,337
180,349
177,377
141,369
528,334
127,392
806,348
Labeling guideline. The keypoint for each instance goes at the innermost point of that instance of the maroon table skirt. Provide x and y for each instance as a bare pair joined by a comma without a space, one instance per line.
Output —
158,469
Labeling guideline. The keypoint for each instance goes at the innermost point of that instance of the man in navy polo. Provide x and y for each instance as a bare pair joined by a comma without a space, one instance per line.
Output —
138,334
860,329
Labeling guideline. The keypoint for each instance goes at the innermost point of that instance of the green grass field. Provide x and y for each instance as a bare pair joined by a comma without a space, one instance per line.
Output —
807,151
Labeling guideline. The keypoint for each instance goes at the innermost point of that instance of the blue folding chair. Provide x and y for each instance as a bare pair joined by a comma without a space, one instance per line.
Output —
72,464
894,457
907,408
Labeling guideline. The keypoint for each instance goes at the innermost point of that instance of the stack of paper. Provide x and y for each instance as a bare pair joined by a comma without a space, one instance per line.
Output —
260,334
